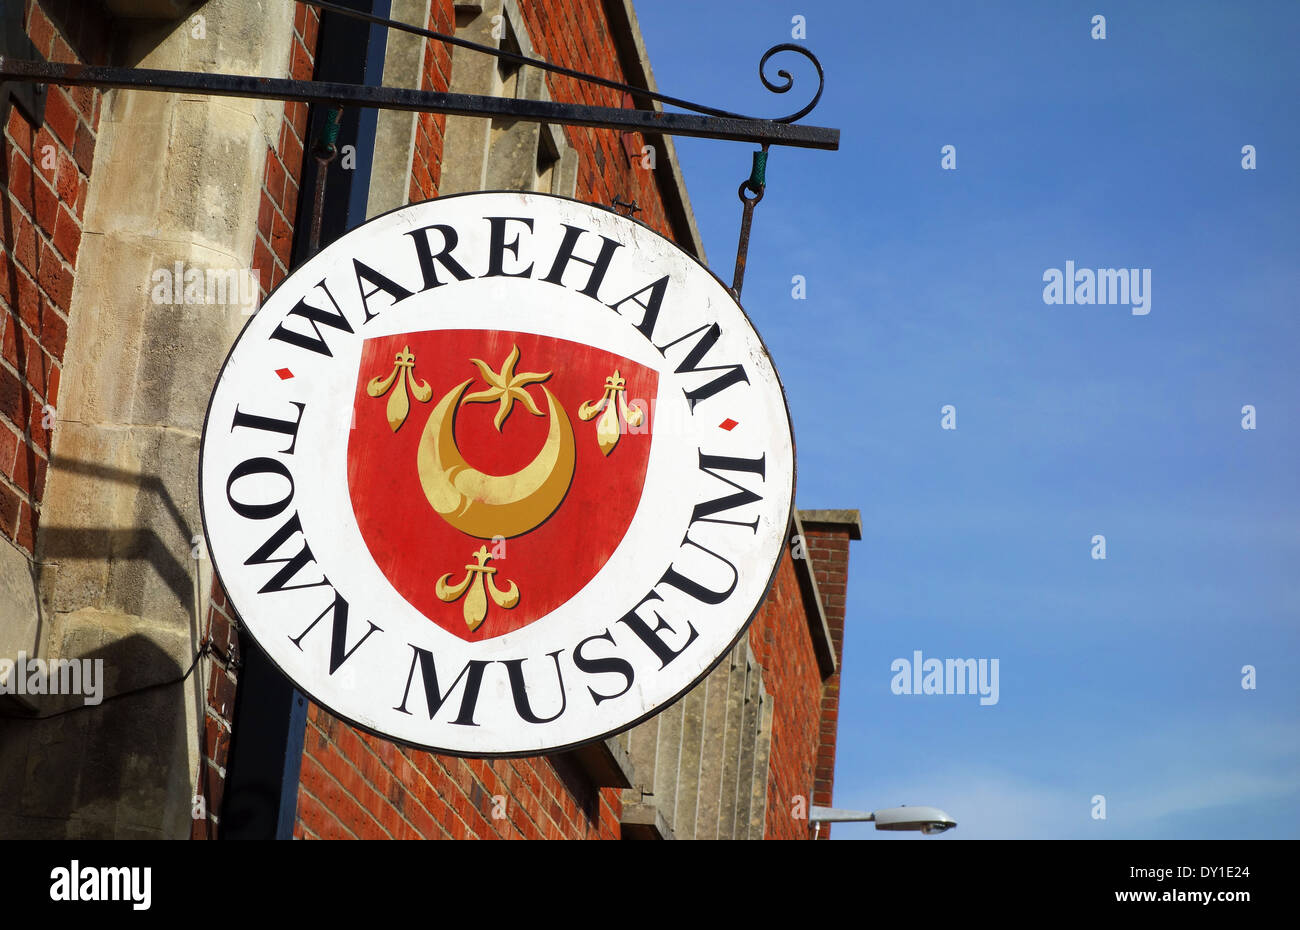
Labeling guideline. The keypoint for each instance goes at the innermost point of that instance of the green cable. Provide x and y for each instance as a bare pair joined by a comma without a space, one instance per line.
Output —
758,177
329,134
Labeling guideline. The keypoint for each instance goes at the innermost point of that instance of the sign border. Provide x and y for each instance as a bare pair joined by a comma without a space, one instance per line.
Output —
567,747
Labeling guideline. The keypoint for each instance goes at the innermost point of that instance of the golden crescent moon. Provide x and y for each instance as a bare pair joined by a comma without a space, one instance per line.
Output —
487,506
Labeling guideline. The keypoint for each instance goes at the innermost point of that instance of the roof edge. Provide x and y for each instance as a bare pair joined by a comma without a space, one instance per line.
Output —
818,626
847,519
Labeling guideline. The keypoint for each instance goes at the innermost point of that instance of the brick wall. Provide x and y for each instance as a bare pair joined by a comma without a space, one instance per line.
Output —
221,638
279,199
44,176
574,33
828,551
782,644
277,208
435,75
358,785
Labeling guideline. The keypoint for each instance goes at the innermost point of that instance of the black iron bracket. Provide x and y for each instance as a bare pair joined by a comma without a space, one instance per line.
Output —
738,129
640,92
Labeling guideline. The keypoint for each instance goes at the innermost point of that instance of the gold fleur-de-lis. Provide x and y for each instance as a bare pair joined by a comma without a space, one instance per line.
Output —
607,430
479,582
403,373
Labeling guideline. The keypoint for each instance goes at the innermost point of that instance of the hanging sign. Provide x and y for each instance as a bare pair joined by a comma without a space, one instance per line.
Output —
497,474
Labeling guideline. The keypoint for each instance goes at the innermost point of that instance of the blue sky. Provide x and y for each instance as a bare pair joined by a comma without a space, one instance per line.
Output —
1120,677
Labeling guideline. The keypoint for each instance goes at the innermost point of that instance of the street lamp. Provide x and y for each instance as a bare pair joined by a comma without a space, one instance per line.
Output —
928,820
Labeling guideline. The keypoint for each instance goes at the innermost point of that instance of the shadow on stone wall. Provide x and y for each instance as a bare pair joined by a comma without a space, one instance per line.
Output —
140,544
118,770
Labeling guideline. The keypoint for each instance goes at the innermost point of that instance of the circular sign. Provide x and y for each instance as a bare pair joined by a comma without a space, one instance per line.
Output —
497,474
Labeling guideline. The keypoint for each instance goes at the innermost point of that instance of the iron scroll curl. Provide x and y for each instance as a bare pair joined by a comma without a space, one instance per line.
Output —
788,79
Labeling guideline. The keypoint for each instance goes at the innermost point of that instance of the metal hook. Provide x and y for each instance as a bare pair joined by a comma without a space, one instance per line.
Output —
619,202
755,184
324,151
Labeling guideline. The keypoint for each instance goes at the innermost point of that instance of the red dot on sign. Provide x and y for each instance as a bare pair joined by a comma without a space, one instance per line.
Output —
728,424
284,373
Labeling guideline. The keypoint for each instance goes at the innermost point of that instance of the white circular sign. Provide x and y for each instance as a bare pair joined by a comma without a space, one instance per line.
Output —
497,474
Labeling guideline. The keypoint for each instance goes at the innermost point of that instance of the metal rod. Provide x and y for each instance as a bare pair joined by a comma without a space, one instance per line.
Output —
395,98
755,184
742,246
324,152
596,79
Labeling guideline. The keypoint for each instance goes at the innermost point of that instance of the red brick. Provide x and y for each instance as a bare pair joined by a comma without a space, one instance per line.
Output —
55,375
442,63
67,235
290,196
40,31
221,693
274,177
263,264
11,338
36,425
323,824
296,114
10,504
265,214
54,331
320,781
291,152
219,632
8,448
216,740
435,143
20,131
68,178
62,52
300,63
424,179
24,244
311,31
61,116
29,301
35,362
20,180
84,100
55,279
84,150
45,206
26,533
24,469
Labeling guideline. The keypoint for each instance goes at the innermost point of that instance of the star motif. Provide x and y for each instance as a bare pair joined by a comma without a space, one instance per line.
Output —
507,387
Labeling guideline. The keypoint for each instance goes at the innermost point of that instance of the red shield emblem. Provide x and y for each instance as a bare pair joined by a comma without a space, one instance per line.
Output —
493,473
